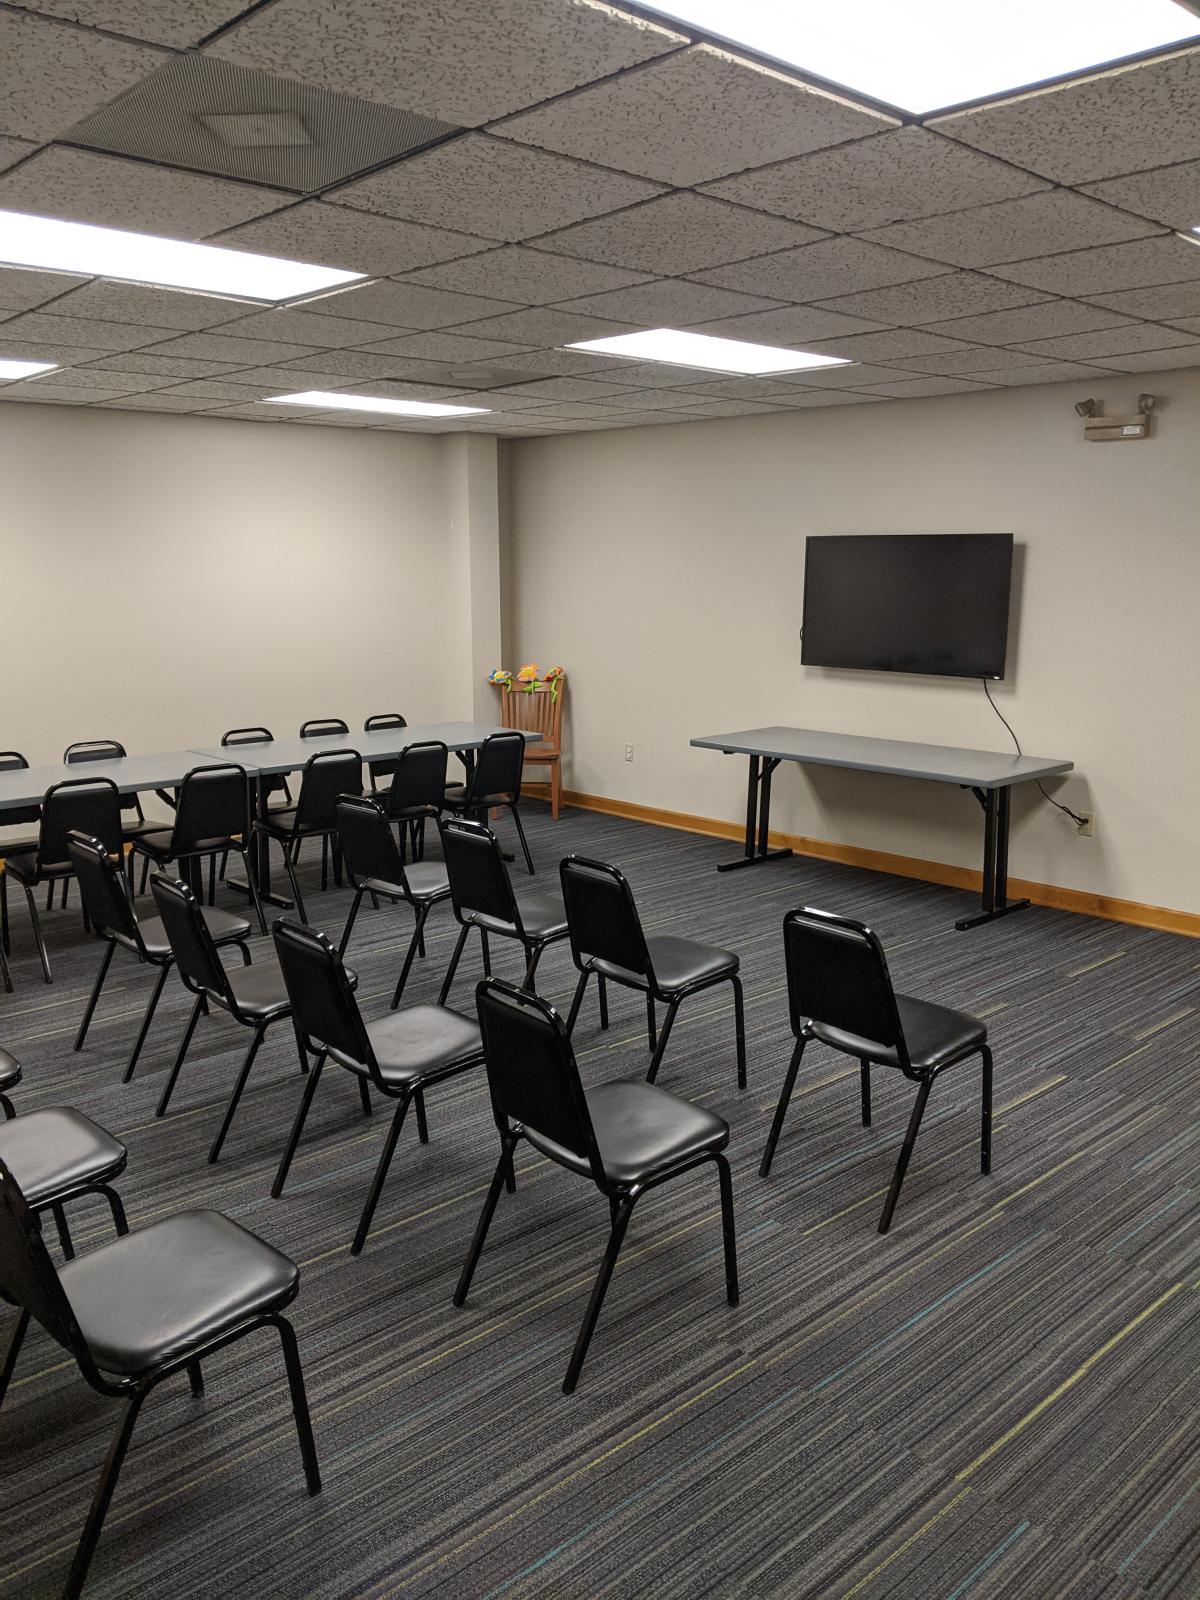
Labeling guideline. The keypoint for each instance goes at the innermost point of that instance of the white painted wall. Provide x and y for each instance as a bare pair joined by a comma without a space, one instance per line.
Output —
664,568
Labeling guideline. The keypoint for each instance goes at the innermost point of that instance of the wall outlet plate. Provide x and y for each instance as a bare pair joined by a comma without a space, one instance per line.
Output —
1086,828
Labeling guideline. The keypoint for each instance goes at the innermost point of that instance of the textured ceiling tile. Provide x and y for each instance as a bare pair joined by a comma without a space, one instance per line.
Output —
49,388
731,389
153,402
493,188
917,388
398,389
450,347
110,382
175,22
292,380
1024,323
408,306
1156,360
670,302
1050,372
677,234
146,307
54,74
729,408
972,359
42,349
1168,194
13,150
524,276
22,290
1168,302
567,389
957,294
454,59
1109,268
307,327
818,271
859,375
347,365
806,399
1013,230
653,375
1145,115
60,182
696,115
221,389
790,325
895,344
1128,340
335,236
221,347
163,368
500,401
82,332
891,177
553,363
549,325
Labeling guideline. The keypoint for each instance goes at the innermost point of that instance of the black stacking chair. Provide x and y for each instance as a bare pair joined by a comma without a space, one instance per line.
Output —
417,792
255,996
840,993
401,1055
374,866
626,1137
88,805
58,1155
133,818
481,893
212,818
143,1308
323,728
327,775
10,1077
386,766
109,907
22,817
494,783
607,939
275,784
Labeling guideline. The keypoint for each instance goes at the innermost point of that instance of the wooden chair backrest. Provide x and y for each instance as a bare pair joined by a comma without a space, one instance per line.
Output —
539,712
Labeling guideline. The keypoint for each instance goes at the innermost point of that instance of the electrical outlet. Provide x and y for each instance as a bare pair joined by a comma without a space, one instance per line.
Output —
1085,829
629,752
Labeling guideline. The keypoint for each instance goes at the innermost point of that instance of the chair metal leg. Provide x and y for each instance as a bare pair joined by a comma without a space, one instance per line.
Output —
906,1150
656,1059
64,1233
324,862
295,1374
7,1107
37,932
145,874
195,1375
864,1085
12,1350
5,940
120,1223
611,1252
739,1023
377,1182
212,880
364,1095
346,931
727,1230
146,1021
577,1001
410,954
516,816
289,1150
102,1497
161,1109
651,1023
499,1177
486,948
602,988
531,966
789,1083
4,972
444,992
214,1153
422,1124
252,880
985,1131
105,963
289,863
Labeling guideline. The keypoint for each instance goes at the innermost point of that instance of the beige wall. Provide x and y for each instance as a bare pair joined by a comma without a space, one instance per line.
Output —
664,568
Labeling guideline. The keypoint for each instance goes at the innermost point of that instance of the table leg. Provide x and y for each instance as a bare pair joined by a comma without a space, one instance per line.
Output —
997,810
758,817
260,855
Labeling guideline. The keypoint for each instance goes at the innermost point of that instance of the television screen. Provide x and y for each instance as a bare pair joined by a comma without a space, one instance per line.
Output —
924,602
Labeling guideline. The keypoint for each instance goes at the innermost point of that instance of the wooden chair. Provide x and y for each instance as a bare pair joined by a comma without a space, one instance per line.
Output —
539,712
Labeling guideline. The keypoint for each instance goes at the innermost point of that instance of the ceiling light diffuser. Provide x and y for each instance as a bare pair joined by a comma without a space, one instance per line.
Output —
10,371
56,246
924,55
709,354
331,401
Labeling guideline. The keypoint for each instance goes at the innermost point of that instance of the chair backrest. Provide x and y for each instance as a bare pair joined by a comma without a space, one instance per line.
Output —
104,890
214,805
325,1013
602,916
272,785
369,848
479,880
382,721
838,975
14,761
419,780
88,805
327,775
27,1275
323,727
498,766
196,956
538,710
532,1071
93,750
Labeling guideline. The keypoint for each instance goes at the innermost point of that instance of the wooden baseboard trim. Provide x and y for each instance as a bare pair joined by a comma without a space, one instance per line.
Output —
1083,901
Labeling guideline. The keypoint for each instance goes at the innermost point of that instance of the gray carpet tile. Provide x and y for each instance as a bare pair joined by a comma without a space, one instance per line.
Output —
998,1398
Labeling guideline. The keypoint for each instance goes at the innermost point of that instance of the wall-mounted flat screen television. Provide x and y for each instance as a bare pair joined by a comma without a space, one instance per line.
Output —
933,603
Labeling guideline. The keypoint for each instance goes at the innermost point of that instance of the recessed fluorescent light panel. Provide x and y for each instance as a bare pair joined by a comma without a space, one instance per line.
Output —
56,246
10,371
370,402
702,350
922,55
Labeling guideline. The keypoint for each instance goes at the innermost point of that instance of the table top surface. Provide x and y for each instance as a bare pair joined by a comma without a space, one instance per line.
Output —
26,785
977,769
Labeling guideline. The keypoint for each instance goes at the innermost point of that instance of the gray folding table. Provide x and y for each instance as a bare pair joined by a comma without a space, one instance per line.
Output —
989,774
25,786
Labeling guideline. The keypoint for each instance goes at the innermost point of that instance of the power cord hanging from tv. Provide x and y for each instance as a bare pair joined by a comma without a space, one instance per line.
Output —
1074,815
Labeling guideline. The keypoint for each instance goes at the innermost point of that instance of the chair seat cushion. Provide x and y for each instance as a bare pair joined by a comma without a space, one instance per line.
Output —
641,1131
10,1070
260,990
224,926
154,1295
18,847
934,1035
132,828
543,916
678,964
160,846
456,799
422,1042
427,880
52,1152
280,821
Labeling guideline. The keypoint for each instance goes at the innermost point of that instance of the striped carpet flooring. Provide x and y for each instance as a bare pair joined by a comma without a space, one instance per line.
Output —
999,1398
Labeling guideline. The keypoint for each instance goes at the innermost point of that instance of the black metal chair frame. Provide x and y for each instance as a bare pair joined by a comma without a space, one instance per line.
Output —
426,791
56,1201
384,766
10,1077
111,750
643,970
269,785
621,1198
55,1313
482,792
805,1028
196,836
13,761
290,838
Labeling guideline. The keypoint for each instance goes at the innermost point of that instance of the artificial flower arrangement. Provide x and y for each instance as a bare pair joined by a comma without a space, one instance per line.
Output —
530,678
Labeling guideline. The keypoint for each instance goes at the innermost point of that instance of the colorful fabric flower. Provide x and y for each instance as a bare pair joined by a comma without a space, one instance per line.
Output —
528,675
500,678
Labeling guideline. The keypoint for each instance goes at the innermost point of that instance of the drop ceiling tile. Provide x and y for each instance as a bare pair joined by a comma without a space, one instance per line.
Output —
890,177
110,382
1167,302
1146,114
72,394
66,355
1156,360
457,347
307,327
729,408
816,271
1013,230
670,303
23,290
290,380
175,22
153,402
956,294
970,359
1167,194
349,365
55,73
789,325
221,347
142,306
62,182
567,389
859,375
798,399
524,277
396,389
408,307
1048,372
549,325
918,388
1024,323
653,375
453,59
21,394
493,188
1109,268
500,401
165,369
552,363
251,413
699,114
1130,339
679,233
220,389
730,389
81,332
894,344
584,411
335,236
14,150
